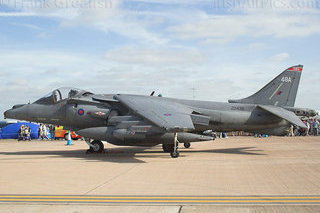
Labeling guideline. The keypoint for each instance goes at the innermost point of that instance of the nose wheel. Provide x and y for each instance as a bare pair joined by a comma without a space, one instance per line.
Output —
95,146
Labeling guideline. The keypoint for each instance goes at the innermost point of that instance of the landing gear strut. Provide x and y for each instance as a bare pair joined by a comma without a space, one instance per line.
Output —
95,146
175,152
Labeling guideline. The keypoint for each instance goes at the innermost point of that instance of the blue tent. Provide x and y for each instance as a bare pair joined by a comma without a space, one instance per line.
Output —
11,131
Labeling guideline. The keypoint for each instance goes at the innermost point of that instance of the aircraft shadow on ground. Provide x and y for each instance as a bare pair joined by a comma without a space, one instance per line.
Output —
237,150
129,154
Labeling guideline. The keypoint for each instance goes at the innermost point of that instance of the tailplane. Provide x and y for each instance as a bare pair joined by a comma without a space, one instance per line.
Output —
281,91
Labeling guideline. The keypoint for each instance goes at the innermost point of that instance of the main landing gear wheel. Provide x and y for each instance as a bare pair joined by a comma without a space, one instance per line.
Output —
168,148
187,145
96,146
175,153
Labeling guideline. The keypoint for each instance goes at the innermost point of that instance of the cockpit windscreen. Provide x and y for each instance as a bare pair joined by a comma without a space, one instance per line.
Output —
58,95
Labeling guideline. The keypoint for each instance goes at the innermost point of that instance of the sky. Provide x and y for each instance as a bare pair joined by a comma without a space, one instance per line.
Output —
211,50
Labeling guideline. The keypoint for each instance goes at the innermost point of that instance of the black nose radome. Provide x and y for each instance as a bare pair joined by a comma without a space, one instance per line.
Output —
8,114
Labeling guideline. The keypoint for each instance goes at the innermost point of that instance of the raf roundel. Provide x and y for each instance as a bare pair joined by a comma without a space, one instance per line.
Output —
80,112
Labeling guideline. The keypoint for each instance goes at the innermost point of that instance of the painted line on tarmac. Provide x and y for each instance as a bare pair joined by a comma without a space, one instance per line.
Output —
160,199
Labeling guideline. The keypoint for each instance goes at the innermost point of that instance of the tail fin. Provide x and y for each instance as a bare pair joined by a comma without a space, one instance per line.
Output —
281,91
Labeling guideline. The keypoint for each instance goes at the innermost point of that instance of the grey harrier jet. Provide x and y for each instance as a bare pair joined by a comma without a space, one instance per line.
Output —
137,120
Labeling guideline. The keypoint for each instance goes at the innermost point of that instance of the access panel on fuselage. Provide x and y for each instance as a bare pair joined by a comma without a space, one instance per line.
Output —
84,116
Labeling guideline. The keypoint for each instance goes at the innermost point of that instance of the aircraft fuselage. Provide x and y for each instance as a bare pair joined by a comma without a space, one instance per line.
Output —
223,116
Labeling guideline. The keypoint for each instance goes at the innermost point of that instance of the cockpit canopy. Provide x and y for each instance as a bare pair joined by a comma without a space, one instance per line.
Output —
60,94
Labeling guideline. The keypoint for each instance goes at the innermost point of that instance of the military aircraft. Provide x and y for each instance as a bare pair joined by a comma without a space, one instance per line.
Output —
137,120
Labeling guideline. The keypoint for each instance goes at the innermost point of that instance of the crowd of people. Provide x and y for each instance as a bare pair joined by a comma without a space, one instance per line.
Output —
312,128
24,132
43,132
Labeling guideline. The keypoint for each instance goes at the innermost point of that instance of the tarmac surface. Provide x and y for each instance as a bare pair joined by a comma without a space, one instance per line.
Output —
242,174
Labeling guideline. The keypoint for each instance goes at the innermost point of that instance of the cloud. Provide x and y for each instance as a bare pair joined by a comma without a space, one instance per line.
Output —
277,18
16,14
280,57
257,45
117,20
30,26
155,57
296,6
219,41
104,15
249,18
43,35
52,8
173,1
230,27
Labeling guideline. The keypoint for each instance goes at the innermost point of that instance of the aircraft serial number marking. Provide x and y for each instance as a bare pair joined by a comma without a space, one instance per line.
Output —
237,108
286,79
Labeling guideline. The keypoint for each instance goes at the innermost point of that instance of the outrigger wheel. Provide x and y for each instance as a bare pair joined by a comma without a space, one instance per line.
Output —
187,145
96,147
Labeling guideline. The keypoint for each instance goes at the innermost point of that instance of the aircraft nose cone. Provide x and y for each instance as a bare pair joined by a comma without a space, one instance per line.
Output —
17,112
7,114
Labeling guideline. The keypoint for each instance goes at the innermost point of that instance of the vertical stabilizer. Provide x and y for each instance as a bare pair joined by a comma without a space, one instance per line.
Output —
281,91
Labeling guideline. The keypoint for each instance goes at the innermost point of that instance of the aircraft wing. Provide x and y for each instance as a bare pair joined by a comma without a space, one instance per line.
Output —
161,112
283,113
